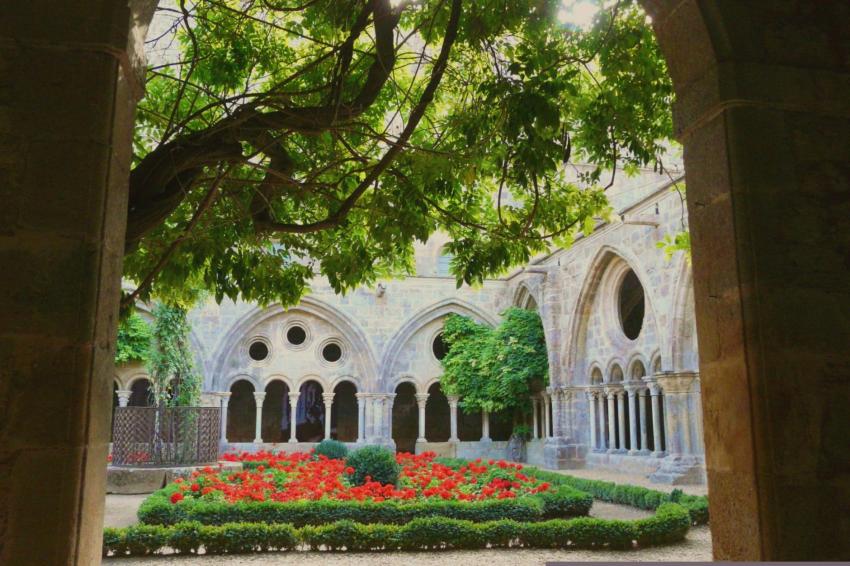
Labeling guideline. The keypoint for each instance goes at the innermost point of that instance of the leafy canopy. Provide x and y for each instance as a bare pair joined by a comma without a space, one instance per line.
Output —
174,379
494,369
285,138
134,340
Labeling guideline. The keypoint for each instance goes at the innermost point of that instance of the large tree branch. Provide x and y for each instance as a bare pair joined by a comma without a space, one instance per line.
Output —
160,182
416,115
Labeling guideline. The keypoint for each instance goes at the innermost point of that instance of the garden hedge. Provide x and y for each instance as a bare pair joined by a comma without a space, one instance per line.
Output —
631,495
669,524
157,509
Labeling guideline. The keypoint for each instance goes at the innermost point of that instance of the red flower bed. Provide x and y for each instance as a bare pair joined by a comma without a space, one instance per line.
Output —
300,477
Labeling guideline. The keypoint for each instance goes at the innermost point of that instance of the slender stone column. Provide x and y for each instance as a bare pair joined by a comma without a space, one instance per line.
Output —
453,401
546,427
603,433
225,401
377,415
591,401
677,413
535,433
123,397
421,400
643,424
485,426
361,416
631,390
293,406
555,403
612,424
654,392
621,419
259,397
388,415
328,398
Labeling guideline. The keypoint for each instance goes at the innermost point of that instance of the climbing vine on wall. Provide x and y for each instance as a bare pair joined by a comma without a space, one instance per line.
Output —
494,369
173,377
134,340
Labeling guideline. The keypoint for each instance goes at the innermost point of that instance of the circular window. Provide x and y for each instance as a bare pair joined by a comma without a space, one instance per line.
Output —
258,351
296,335
439,347
332,352
631,305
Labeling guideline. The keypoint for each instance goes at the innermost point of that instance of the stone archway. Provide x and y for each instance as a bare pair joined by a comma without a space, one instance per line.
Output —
764,113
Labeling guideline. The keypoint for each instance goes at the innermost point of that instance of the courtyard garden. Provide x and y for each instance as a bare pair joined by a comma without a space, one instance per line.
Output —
374,500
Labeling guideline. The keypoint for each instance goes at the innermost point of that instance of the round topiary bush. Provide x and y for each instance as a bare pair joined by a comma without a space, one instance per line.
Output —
331,449
376,462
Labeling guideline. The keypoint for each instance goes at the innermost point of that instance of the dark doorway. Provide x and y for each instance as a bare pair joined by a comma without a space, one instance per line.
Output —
405,418
344,413
275,426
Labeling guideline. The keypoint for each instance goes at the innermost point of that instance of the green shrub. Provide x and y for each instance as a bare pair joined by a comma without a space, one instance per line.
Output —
375,462
331,449
670,524
565,501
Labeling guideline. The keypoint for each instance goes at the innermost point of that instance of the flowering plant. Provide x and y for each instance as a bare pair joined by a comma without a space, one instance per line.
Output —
299,476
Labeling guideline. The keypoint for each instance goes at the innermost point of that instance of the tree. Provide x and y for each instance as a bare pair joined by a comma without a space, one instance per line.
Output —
284,138
174,381
134,340
494,369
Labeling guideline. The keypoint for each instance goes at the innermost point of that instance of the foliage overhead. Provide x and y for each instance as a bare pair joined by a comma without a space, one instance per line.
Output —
134,340
285,138
174,381
494,369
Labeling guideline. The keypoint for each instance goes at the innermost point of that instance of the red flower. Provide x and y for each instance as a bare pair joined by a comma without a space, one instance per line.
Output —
196,487
176,496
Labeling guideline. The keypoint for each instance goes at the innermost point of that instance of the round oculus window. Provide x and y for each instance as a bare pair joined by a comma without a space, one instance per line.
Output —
332,352
296,335
439,347
258,351
631,305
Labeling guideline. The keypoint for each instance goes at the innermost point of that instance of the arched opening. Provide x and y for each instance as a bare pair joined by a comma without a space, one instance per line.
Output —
405,418
501,424
631,305
275,425
437,415
310,413
344,412
469,424
596,377
141,395
241,412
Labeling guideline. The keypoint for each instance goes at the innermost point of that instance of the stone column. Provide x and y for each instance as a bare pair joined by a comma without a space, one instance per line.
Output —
546,427
611,394
654,392
633,438
677,414
603,433
621,419
361,417
535,434
225,401
123,397
328,399
377,415
388,415
293,406
591,401
643,424
259,397
485,426
71,76
421,400
453,401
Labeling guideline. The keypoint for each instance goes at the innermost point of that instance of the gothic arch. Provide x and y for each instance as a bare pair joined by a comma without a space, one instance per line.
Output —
348,329
682,347
524,297
419,320
606,257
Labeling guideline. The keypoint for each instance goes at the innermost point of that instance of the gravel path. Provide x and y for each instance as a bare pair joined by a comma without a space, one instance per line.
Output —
632,479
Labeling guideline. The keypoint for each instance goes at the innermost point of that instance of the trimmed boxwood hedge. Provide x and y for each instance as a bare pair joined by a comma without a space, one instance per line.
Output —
669,524
565,501
631,495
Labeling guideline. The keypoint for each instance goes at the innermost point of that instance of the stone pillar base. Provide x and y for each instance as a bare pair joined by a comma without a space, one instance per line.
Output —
561,453
680,470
